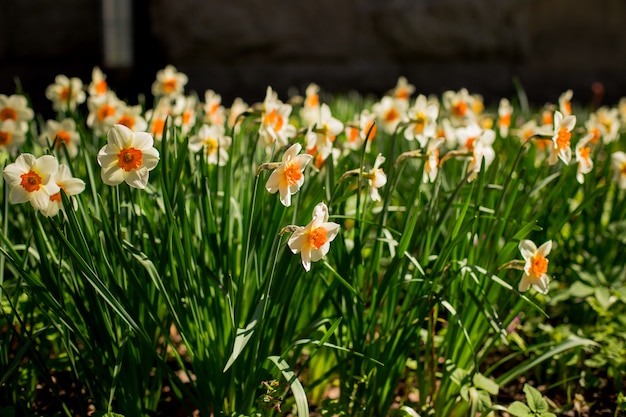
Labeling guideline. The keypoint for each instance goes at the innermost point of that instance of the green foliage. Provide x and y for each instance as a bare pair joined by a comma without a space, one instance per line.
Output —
187,291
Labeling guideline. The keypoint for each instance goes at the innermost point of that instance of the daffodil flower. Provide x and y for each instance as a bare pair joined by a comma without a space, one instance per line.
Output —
31,179
288,176
313,240
536,266
561,138
376,178
127,157
169,82
583,157
70,186
214,142
618,162
66,93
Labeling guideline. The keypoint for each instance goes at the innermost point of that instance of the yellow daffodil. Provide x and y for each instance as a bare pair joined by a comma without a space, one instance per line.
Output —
313,240
536,266
127,157
31,180
288,176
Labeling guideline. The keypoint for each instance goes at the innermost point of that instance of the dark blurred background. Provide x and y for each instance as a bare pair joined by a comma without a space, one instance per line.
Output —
239,47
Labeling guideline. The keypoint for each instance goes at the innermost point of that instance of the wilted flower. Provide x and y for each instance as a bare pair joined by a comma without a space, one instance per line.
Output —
127,157
214,142
536,266
313,240
288,176
31,179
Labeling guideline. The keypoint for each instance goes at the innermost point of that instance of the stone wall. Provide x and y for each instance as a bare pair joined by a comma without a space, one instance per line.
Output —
240,47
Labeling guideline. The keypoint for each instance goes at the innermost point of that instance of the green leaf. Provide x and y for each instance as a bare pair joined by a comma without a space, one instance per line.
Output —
296,387
244,334
535,400
484,383
106,414
519,409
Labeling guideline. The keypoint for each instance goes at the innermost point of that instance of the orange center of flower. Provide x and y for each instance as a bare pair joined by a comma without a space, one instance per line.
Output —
563,138
186,117
105,111
129,159
538,266
596,135
546,118
157,127
5,138
420,122
292,172
584,153
274,120
432,164
459,109
469,144
169,86
8,114
57,197
371,128
127,121
567,107
313,100
623,169
318,237
505,120
353,134
31,181
101,87
402,93
391,115
62,137
64,94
